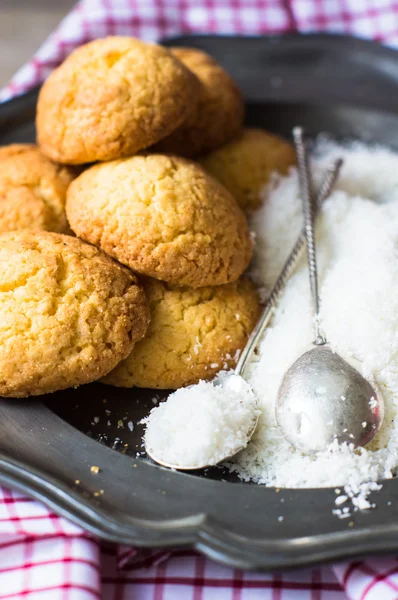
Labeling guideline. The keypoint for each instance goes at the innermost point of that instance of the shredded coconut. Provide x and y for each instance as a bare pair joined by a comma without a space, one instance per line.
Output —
202,424
341,499
357,245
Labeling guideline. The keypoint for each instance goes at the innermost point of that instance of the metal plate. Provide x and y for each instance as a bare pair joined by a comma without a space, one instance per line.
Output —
325,83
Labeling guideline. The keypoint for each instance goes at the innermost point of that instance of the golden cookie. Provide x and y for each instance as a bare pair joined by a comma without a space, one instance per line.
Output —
218,115
192,335
68,313
32,190
111,98
245,165
162,216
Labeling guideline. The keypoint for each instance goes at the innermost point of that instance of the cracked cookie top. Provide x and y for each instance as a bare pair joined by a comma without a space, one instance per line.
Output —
110,98
164,217
193,334
245,165
32,190
217,116
68,313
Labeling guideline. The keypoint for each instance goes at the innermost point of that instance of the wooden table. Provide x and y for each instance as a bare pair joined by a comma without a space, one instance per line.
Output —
24,25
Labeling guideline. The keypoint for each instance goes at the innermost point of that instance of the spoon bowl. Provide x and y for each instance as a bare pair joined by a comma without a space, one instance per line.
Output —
323,398
152,454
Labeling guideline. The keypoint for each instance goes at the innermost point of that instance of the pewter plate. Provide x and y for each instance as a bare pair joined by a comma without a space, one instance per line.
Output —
335,84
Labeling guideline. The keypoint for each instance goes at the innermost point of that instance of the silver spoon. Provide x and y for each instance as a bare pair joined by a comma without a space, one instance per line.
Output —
322,397
292,261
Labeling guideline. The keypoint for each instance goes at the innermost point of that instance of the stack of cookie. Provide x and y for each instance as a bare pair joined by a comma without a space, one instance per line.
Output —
149,293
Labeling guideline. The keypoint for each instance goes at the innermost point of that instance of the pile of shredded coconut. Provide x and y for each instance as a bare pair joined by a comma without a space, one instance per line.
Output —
202,424
357,245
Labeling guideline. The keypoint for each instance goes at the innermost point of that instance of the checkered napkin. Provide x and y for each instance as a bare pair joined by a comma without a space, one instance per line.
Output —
43,556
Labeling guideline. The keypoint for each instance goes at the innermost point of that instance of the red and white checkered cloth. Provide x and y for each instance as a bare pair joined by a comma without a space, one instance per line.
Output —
43,556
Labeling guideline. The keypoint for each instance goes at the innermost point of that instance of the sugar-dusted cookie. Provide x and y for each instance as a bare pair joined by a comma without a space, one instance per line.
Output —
192,335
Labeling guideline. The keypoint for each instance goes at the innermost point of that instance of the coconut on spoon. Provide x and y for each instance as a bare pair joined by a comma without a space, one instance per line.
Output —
322,397
205,424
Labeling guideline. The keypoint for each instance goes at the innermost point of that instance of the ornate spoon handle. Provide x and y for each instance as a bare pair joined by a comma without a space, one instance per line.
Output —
288,268
308,209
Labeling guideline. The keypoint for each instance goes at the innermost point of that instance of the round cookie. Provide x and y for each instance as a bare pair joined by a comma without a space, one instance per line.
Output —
68,313
32,190
163,217
110,98
245,165
219,112
192,335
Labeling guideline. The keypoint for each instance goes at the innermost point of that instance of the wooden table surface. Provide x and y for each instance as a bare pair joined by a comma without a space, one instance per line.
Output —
24,25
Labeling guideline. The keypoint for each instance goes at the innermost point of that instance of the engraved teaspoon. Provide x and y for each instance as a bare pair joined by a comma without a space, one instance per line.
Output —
322,397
